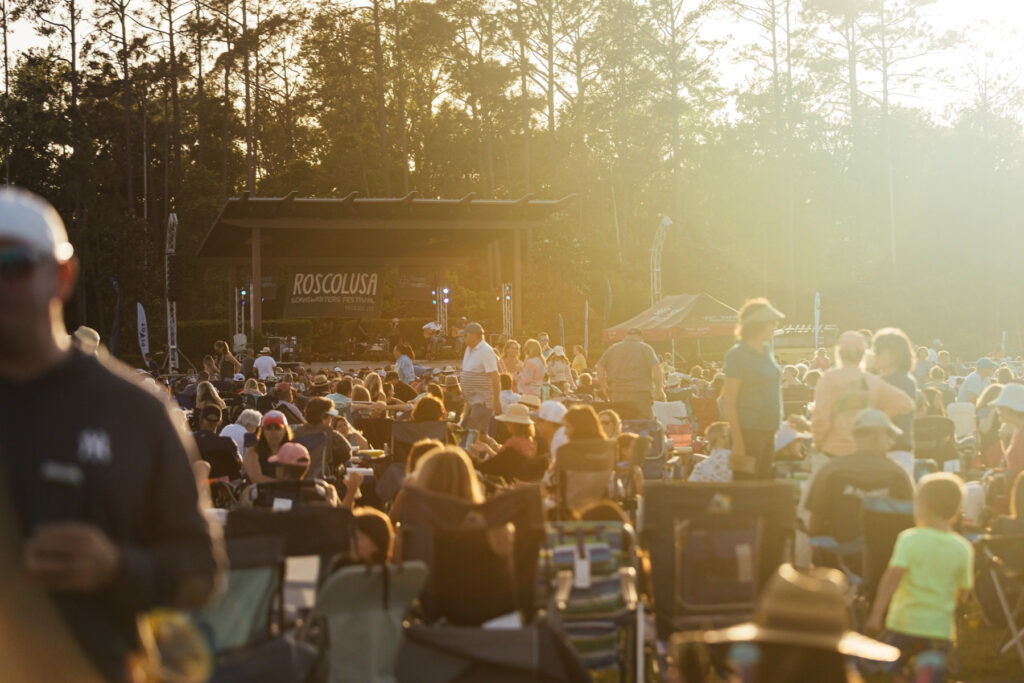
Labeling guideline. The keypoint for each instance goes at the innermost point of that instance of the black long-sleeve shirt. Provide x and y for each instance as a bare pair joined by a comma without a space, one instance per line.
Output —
87,419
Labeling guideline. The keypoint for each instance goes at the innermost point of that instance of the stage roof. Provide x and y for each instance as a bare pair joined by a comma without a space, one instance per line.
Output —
406,228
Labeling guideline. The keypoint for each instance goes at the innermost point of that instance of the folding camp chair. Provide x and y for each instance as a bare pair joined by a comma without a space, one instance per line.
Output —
796,399
934,439
1006,576
963,416
363,609
583,473
712,546
287,495
312,530
423,513
243,623
403,436
597,603
319,446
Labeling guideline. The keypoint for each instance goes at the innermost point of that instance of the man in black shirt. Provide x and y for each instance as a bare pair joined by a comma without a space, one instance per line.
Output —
104,521
836,491
220,451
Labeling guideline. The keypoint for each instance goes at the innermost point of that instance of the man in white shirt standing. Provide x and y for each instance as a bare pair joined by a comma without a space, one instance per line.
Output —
265,364
481,383
976,382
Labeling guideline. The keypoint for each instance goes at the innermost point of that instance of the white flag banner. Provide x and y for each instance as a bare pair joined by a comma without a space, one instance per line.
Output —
143,330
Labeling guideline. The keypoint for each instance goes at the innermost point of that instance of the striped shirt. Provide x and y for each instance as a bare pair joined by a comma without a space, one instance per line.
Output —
477,364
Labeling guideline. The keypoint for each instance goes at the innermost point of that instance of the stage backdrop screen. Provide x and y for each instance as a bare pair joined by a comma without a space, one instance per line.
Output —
327,292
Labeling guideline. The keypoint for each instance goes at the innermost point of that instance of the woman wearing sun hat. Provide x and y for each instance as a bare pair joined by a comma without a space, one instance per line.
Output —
517,458
800,632
752,397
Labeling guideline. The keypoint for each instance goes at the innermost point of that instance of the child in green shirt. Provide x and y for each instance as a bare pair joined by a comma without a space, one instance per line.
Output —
930,565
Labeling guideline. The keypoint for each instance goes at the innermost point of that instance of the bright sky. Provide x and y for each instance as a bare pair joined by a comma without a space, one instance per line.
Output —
994,25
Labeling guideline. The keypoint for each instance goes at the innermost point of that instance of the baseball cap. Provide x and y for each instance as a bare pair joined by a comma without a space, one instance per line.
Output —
851,339
28,218
552,411
239,377
873,418
986,364
787,435
211,413
291,453
275,417
635,332
473,328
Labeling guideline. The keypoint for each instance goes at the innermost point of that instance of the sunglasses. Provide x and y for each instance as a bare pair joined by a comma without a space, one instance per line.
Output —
18,263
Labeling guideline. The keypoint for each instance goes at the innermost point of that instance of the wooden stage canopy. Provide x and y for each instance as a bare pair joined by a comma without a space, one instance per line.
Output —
373,231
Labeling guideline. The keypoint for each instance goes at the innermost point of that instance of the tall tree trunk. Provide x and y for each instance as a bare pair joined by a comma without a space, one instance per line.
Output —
200,87
7,98
250,166
126,105
382,121
77,217
524,67
403,135
226,132
175,106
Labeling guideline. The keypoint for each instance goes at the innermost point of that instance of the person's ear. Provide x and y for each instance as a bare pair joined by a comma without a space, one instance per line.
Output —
67,277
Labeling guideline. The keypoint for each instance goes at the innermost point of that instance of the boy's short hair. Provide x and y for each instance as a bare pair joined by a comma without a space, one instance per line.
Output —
941,493
716,430
506,381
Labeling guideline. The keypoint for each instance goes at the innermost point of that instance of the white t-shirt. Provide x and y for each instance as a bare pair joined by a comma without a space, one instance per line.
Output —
480,358
558,440
477,364
973,384
264,366
236,433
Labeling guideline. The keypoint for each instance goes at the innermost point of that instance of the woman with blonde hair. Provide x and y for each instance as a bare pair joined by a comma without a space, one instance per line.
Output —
510,361
206,395
531,377
449,471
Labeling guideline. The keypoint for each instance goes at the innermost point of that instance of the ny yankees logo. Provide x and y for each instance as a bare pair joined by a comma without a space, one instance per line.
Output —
94,447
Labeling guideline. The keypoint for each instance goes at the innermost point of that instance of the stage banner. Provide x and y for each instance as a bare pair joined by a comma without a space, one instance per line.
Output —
416,283
326,292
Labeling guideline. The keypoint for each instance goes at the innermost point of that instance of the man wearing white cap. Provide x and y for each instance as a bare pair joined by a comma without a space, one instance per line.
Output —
838,487
264,365
104,502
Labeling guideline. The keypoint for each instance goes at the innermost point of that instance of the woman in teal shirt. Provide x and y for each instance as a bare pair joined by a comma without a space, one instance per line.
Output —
752,396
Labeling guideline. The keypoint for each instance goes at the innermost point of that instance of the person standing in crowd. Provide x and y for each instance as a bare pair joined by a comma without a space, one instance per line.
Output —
752,396
821,361
90,552
923,365
894,362
480,382
510,361
531,377
629,372
1010,406
559,371
404,357
976,382
579,360
844,391
247,358
931,567
227,364
264,365
545,348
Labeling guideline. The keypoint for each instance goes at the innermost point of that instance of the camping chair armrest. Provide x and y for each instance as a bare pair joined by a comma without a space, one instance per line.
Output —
627,583
1000,564
563,587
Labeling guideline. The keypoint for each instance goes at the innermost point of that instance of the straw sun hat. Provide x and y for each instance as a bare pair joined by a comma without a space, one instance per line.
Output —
805,609
517,414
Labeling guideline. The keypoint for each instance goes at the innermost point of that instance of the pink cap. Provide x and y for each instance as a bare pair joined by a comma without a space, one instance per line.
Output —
291,453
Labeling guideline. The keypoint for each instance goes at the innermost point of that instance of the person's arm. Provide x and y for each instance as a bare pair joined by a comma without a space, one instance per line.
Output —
496,390
886,589
353,480
730,411
658,378
251,464
602,373
821,415
892,400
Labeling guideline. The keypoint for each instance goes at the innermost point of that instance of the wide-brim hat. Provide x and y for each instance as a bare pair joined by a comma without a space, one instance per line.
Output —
761,312
451,381
448,369
806,609
872,418
516,414
530,401
265,349
321,381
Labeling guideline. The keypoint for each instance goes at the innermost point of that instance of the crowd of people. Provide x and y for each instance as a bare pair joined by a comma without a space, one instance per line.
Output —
114,501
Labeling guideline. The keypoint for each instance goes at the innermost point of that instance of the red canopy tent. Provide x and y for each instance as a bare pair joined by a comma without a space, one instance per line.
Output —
683,316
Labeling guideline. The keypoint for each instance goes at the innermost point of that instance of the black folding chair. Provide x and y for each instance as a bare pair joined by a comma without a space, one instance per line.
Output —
713,546
935,439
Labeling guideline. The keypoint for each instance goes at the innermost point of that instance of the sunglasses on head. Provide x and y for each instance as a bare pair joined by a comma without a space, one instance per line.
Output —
273,426
17,263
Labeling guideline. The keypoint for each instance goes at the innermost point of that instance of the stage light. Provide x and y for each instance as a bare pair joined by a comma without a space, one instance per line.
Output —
243,292
446,300
444,291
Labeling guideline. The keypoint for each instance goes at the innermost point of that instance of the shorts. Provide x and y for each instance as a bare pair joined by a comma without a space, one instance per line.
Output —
928,656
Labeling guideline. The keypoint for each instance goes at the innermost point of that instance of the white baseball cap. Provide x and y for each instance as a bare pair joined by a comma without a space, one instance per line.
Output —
30,219
1012,397
787,435
552,411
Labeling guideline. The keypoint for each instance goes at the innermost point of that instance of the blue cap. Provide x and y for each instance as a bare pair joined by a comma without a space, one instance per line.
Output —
987,364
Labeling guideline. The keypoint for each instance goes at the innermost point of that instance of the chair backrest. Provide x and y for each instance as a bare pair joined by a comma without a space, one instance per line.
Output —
377,430
713,545
795,399
244,612
584,469
319,446
882,520
962,415
311,530
282,496
405,434
607,546
473,578
934,438
422,512
364,626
